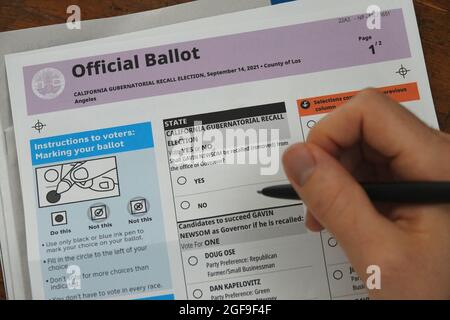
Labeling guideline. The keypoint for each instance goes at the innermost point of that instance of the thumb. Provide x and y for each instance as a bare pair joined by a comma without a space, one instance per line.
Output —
335,199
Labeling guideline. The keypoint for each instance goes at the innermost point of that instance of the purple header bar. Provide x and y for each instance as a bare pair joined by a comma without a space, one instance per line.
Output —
302,48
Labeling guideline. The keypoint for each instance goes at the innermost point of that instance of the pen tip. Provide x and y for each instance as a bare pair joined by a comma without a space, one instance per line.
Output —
259,191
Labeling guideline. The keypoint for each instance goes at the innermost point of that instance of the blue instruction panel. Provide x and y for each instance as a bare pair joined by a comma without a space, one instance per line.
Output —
99,217
91,143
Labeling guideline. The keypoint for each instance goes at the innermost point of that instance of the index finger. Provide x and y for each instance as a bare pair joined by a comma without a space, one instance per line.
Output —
386,127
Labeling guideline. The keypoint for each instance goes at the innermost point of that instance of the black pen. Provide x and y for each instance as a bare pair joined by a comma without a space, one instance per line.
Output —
397,192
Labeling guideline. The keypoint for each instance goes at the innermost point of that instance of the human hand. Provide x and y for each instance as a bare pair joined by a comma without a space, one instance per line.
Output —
370,139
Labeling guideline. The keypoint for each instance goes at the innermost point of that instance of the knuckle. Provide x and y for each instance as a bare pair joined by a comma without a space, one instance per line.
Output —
366,98
371,96
369,93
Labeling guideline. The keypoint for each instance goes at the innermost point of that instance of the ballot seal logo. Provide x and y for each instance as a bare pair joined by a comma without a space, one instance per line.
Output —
48,83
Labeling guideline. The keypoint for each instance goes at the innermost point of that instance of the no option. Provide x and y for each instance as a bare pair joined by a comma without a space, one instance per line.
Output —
223,152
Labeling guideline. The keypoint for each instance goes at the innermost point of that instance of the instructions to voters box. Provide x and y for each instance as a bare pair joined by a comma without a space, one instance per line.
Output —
141,159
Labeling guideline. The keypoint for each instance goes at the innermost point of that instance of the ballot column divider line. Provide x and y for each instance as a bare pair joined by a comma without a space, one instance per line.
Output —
325,265
176,219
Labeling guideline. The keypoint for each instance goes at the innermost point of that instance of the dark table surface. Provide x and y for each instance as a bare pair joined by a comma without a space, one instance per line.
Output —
432,16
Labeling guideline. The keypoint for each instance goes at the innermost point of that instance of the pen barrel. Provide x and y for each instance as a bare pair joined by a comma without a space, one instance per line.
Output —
409,192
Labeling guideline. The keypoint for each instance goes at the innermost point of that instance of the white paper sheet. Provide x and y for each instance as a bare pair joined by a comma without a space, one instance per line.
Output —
12,225
127,195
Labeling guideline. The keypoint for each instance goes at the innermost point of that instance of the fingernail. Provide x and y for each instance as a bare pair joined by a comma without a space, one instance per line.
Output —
299,163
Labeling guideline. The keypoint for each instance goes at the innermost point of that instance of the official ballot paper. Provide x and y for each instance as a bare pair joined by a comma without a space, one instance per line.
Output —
132,188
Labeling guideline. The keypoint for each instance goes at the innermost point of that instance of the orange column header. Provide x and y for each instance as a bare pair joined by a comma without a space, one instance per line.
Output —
324,104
